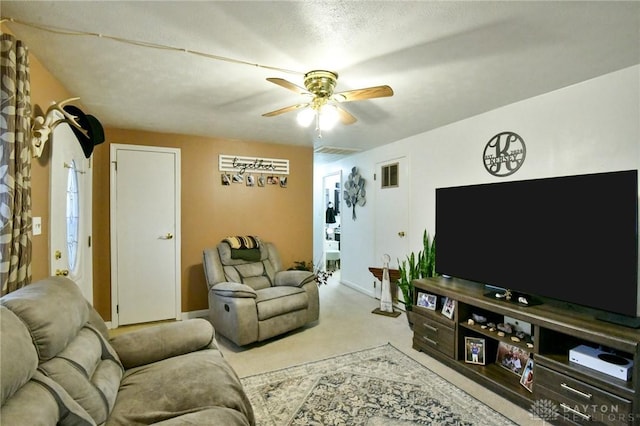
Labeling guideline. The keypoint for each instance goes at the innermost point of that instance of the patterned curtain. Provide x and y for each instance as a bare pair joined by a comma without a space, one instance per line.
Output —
15,165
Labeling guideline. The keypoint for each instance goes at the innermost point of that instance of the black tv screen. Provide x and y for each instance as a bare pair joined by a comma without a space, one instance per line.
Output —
572,238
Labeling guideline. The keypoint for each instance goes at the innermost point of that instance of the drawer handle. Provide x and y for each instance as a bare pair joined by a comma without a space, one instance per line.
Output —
433,342
576,391
434,329
576,412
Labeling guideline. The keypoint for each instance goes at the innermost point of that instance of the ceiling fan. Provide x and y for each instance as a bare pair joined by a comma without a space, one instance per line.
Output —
323,103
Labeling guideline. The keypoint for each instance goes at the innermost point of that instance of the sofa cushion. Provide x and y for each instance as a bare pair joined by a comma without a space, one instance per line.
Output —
18,357
153,344
212,416
90,372
179,386
42,402
276,301
257,275
228,289
39,307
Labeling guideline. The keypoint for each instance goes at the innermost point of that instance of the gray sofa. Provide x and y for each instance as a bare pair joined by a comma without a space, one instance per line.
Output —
59,367
252,300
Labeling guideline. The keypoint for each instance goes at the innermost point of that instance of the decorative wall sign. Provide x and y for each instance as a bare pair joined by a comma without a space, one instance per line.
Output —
354,192
253,171
241,165
504,154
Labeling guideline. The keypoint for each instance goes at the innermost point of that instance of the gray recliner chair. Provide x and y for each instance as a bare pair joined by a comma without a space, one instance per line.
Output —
251,298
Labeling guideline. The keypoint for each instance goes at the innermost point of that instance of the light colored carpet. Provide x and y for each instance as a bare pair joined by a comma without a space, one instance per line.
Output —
377,386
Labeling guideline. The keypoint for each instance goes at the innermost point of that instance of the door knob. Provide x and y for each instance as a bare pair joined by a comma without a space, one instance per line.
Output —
62,272
401,234
168,236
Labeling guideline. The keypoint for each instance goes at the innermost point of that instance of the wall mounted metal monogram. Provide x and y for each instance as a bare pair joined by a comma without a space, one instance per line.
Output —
504,154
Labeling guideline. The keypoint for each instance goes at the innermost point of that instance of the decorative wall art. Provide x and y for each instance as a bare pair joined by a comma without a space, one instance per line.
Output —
504,154
252,171
354,192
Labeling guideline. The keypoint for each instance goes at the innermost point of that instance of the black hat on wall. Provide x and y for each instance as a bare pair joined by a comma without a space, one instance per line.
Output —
94,131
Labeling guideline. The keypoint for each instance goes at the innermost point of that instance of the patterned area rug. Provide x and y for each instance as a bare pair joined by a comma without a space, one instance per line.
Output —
378,386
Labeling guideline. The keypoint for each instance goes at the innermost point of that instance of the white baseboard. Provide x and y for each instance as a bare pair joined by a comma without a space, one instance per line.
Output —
356,287
203,313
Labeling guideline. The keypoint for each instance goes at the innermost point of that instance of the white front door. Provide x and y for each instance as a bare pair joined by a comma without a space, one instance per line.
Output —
145,234
391,212
70,207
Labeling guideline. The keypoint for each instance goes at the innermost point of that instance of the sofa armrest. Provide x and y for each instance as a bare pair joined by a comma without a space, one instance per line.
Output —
294,278
163,341
229,289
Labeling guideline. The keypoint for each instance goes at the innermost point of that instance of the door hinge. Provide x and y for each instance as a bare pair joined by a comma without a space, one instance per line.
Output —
89,241
115,165
374,176
117,309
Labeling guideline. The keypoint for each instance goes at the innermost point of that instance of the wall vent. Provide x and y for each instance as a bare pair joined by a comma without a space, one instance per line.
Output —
334,150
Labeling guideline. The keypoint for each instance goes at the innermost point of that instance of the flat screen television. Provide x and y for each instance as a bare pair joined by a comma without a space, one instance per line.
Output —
572,239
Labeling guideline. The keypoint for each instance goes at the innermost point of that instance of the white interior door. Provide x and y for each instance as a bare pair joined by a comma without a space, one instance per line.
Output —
145,233
70,252
392,213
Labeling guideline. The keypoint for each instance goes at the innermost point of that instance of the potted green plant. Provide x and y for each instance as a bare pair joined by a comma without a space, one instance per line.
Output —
321,276
414,267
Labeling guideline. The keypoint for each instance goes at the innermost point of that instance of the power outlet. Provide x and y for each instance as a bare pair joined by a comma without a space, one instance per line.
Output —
37,225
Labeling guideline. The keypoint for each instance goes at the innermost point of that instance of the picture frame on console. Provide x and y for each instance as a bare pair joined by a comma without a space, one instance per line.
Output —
526,379
427,301
512,358
474,352
448,307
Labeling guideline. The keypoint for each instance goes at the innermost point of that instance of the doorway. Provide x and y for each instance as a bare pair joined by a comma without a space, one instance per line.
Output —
145,234
331,198
391,212
71,184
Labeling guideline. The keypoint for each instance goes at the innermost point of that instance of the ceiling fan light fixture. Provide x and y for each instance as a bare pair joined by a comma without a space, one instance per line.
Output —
328,117
305,117
323,105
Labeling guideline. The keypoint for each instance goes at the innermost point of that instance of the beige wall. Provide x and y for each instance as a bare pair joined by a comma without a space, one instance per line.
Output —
210,211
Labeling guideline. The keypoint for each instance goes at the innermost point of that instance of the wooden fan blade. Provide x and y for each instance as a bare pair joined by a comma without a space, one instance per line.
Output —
285,109
361,94
345,116
287,84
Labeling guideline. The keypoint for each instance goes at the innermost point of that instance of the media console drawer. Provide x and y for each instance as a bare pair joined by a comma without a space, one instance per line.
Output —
579,401
428,333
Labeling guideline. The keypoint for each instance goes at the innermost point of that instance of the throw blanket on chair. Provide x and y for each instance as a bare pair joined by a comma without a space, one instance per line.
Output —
244,247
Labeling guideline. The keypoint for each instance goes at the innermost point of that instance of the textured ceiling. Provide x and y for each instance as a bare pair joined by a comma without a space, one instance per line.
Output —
445,60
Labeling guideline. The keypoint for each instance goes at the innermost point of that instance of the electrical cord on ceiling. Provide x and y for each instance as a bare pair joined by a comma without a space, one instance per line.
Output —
62,31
